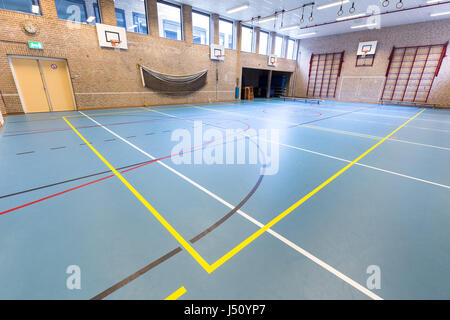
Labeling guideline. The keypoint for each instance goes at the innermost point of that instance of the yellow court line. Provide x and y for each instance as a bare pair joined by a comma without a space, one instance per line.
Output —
340,131
176,294
254,236
155,213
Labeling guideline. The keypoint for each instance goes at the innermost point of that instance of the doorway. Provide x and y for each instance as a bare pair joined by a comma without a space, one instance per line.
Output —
43,84
266,83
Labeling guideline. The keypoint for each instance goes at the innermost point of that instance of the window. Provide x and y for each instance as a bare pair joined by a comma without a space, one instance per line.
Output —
82,11
278,46
139,23
247,39
290,50
27,6
263,42
226,33
169,21
120,18
131,15
200,27
97,12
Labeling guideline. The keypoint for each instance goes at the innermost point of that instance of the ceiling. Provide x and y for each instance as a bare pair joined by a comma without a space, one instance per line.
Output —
309,29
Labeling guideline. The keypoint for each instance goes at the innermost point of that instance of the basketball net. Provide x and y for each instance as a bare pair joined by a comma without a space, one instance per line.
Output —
115,43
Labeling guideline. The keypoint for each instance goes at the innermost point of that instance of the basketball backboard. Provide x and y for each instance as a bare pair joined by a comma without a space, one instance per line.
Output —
217,52
367,48
111,36
272,60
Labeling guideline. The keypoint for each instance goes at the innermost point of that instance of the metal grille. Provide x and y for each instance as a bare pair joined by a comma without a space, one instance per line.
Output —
324,71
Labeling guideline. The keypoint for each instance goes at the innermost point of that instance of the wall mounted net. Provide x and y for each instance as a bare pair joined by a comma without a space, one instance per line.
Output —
172,84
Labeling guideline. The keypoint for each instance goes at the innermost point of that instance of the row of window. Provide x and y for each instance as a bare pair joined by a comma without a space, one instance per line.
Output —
280,49
132,15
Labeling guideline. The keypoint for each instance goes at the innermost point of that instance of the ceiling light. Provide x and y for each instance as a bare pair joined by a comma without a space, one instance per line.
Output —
266,19
351,17
439,14
364,26
334,4
238,8
306,34
290,28
433,1
90,19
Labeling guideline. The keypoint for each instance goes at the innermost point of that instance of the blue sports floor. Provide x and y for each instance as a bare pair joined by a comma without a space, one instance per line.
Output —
326,219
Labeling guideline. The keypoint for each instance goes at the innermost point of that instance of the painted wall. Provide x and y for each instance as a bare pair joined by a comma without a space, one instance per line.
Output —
366,83
105,78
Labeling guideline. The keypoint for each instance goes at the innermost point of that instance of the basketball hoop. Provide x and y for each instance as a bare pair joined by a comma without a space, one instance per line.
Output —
219,56
115,43
364,53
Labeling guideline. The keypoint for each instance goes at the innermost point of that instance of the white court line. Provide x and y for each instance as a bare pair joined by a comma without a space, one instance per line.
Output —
305,253
394,124
332,157
326,129
367,113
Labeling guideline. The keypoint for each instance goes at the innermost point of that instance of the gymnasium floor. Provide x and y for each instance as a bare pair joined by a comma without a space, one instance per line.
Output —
60,205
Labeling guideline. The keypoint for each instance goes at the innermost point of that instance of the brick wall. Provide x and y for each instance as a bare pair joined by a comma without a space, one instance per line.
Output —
371,79
103,77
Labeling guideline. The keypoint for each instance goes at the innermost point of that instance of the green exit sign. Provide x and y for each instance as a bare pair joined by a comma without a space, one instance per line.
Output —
35,45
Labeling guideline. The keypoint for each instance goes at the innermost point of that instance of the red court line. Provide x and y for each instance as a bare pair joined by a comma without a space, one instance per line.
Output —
112,175
85,127
104,125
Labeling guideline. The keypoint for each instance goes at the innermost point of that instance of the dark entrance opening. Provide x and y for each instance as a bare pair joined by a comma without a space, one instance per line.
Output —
265,83
279,86
257,79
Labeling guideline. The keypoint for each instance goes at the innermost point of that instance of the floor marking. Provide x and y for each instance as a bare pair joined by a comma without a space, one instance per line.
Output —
333,130
394,125
176,294
177,250
155,213
57,148
21,153
282,215
370,114
336,158
246,216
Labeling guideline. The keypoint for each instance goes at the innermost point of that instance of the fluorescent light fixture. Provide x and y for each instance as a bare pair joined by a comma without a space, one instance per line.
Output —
90,19
433,1
437,14
35,9
334,4
289,28
364,26
306,34
266,19
351,17
238,8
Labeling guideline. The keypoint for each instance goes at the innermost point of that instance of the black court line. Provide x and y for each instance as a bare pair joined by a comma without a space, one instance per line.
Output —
326,118
57,148
21,153
173,252
71,180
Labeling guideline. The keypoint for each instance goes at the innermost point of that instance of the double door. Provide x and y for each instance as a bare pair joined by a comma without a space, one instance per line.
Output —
44,84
